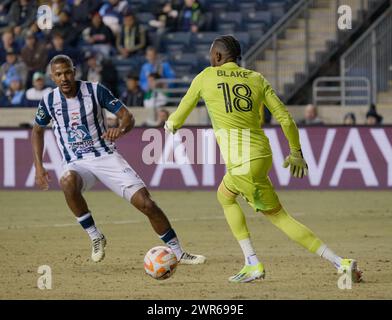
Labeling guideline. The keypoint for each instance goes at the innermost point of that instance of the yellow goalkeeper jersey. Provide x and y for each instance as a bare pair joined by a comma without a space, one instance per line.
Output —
234,97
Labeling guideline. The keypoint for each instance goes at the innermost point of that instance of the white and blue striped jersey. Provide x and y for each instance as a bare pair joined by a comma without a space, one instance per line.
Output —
79,122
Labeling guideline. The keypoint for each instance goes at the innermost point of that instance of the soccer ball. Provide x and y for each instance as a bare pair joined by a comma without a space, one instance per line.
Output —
160,262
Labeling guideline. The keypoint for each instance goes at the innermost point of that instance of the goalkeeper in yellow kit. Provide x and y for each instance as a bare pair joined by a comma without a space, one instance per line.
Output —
233,97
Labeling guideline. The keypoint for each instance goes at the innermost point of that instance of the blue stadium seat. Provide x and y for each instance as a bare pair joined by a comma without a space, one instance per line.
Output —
230,17
202,48
264,17
175,48
183,59
183,38
225,28
204,37
255,30
203,59
244,39
183,70
215,8
245,7
277,9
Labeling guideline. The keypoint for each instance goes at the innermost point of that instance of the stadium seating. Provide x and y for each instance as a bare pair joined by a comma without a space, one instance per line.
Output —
188,52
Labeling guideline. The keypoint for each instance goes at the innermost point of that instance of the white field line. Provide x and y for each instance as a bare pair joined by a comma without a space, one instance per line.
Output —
66,225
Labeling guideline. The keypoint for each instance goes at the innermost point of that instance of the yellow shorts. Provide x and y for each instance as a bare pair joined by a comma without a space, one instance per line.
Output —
255,186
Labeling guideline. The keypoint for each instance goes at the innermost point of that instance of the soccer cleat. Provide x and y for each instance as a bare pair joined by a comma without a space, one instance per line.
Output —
98,250
188,258
350,266
249,273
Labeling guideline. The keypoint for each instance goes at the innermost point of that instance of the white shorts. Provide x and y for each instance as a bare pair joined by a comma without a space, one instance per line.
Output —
112,170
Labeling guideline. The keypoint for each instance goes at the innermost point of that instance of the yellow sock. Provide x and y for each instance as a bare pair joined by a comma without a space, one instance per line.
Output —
234,216
295,230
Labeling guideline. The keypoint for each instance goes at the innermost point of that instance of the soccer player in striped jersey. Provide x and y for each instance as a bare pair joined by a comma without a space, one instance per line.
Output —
89,153
233,97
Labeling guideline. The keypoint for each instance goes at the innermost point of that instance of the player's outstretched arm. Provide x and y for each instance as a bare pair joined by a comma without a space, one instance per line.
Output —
42,178
187,104
296,161
127,122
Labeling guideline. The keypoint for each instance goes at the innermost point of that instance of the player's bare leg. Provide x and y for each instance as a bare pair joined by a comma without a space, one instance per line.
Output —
143,202
71,183
161,225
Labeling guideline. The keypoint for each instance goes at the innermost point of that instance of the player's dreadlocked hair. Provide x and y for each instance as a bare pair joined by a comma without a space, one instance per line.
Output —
231,45
61,58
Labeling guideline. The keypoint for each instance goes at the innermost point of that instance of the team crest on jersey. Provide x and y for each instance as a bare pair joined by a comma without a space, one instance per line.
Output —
80,139
75,116
41,113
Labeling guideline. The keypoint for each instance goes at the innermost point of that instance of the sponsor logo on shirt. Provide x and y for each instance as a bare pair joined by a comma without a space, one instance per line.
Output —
80,139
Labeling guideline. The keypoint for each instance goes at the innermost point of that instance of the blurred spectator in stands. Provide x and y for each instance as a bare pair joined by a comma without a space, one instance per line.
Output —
191,17
154,98
57,6
372,117
154,64
21,15
35,55
91,68
10,69
134,95
349,119
4,8
65,28
81,12
58,47
14,95
166,17
99,69
35,94
165,20
39,34
132,38
111,13
99,36
7,42
162,116
311,117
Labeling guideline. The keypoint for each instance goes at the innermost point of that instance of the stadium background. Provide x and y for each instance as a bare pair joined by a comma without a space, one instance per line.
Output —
321,72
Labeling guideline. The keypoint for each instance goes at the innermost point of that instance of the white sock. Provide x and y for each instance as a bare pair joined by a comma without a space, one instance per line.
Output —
249,252
92,230
328,254
175,246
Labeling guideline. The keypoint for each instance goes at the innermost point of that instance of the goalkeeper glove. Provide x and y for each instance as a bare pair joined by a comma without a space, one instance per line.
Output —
297,163
169,127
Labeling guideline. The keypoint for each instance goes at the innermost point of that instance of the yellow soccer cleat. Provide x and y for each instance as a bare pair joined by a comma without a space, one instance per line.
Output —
249,273
349,266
